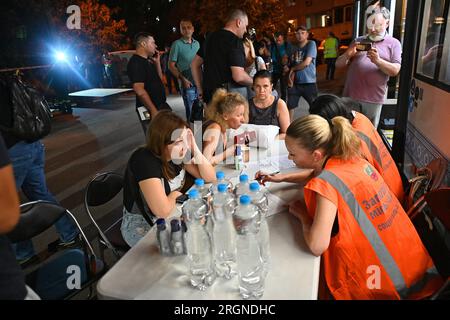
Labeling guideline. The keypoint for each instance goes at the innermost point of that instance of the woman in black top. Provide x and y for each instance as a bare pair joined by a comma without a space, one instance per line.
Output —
147,192
264,108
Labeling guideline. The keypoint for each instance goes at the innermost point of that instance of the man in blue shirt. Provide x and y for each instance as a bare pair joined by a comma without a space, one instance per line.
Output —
280,51
303,64
182,53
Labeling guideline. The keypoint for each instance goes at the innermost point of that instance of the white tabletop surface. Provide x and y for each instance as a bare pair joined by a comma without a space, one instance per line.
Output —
142,273
98,92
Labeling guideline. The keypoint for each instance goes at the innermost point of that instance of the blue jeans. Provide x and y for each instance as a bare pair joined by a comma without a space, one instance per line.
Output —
28,164
189,96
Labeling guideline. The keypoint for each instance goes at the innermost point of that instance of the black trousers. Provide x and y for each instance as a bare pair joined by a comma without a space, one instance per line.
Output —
283,84
331,66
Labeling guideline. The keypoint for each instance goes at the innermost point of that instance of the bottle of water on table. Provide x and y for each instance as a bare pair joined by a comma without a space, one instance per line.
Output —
163,236
220,176
242,187
224,235
250,264
198,242
260,200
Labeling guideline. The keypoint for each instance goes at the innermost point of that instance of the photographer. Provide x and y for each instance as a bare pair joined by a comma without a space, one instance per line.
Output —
371,60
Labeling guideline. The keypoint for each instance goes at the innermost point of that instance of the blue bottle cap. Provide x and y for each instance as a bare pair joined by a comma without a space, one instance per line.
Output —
222,187
254,186
199,182
220,175
175,225
243,178
193,193
245,199
161,224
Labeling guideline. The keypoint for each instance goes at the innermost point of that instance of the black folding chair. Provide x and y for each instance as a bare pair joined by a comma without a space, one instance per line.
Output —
66,273
103,188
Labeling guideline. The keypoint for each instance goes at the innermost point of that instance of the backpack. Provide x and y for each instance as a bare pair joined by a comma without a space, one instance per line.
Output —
31,116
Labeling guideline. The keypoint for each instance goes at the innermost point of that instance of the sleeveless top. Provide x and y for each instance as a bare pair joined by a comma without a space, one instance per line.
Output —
220,146
264,116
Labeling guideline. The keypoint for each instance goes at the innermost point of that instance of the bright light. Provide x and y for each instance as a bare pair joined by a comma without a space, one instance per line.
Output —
61,56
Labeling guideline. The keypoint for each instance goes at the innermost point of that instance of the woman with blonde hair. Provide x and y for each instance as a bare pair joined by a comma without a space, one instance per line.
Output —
150,191
369,247
227,110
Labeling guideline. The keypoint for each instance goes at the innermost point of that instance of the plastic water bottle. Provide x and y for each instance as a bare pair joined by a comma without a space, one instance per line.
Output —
176,237
242,187
198,242
163,236
250,265
224,235
202,189
183,232
260,200
220,176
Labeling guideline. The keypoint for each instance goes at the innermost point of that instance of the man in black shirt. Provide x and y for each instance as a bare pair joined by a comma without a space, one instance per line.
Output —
12,281
144,71
223,59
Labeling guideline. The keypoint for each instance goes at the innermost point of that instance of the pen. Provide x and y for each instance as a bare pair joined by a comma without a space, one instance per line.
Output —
267,174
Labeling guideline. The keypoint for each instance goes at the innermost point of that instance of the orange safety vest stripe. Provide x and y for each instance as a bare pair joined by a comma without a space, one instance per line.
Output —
377,154
377,253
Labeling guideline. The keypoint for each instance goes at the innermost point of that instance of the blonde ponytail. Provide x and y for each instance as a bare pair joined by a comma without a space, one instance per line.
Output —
345,142
223,103
336,138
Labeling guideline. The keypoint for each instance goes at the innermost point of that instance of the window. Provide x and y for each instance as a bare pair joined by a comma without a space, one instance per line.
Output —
348,13
338,15
432,61
444,73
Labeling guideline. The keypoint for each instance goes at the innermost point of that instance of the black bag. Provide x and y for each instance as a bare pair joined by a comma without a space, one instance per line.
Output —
31,116
197,111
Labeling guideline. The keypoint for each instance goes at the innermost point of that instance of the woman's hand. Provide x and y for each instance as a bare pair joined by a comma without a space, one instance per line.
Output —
298,209
264,177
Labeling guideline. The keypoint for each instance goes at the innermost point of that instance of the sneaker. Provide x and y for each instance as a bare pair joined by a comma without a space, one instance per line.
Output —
57,245
24,263
75,243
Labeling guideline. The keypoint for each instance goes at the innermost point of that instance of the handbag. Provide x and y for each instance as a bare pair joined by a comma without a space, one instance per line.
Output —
197,111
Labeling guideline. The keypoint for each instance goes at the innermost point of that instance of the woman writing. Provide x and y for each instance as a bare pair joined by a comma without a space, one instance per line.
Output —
372,146
353,219
148,194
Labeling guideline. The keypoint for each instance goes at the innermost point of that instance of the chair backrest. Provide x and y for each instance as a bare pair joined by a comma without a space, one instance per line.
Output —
33,222
431,218
427,178
99,191
48,278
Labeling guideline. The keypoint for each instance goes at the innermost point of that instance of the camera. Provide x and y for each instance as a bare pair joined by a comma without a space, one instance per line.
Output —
363,46
251,34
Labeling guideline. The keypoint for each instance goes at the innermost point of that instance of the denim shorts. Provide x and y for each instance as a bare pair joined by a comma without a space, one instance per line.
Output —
134,227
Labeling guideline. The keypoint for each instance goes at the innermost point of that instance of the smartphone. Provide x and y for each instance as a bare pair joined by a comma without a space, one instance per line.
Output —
181,199
363,46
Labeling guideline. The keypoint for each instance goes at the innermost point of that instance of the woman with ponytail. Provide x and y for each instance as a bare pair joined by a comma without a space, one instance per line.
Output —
227,110
372,146
369,247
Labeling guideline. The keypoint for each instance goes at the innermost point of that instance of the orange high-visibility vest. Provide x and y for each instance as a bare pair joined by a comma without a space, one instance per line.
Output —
376,253
377,154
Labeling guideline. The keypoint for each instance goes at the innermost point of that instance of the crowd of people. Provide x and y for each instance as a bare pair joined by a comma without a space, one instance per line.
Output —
349,172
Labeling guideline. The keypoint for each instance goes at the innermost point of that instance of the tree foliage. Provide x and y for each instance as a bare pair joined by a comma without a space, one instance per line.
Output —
266,16
99,30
